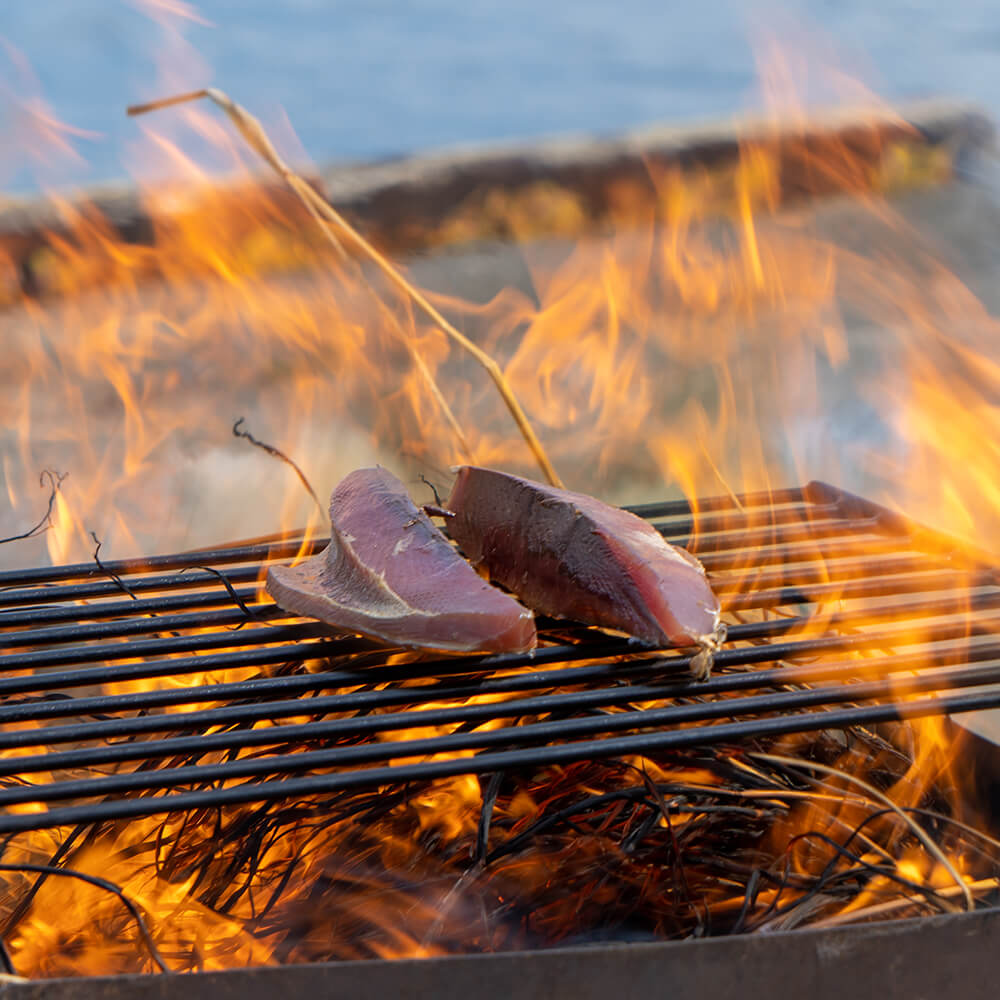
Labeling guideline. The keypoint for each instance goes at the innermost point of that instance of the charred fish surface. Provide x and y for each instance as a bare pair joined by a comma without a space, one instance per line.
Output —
388,573
568,555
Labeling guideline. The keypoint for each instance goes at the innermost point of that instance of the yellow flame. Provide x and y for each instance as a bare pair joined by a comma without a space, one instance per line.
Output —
690,351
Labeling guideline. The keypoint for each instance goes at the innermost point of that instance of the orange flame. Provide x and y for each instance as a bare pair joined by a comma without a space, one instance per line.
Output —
701,348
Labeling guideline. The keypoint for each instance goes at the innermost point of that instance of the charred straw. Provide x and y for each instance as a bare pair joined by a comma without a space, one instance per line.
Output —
339,231
99,883
241,432
626,846
54,481
107,572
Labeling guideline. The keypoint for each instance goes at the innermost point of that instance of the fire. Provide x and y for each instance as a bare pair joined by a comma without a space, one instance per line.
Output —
699,348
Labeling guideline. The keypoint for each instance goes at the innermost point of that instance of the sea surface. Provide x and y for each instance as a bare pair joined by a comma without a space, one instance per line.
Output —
365,79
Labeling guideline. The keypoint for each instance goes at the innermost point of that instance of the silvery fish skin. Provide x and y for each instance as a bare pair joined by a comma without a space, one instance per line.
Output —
568,555
390,574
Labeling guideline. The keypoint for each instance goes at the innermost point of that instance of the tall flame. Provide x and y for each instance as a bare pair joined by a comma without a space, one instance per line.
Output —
716,341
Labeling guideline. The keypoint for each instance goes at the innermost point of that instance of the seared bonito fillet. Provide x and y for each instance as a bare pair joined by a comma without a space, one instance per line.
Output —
568,555
390,574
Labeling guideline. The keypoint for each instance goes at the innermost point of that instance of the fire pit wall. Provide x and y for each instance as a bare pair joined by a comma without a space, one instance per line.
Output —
926,958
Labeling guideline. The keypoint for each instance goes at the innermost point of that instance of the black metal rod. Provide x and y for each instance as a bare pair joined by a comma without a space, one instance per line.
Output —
54,680
761,498
161,604
940,676
854,589
51,594
297,652
781,534
743,521
849,506
816,551
144,624
547,732
287,548
181,560
728,657
139,624
802,576
567,753
50,613
154,647
815,498
44,601
672,684
807,576
258,687
106,653
346,677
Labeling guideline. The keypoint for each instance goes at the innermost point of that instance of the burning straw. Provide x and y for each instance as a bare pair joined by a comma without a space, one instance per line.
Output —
54,481
641,848
764,836
338,230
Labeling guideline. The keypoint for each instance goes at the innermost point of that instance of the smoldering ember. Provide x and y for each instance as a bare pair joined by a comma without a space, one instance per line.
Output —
768,339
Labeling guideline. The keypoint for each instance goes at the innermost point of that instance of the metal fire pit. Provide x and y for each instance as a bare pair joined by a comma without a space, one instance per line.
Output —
777,558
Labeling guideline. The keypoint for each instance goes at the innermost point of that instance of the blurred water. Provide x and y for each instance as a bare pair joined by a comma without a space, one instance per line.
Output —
373,78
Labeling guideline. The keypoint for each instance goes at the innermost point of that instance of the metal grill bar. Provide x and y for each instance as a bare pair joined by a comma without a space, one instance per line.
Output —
531,734
154,606
13,597
312,714
250,712
487,763
959,602
312,732
609,671
843,588
285,547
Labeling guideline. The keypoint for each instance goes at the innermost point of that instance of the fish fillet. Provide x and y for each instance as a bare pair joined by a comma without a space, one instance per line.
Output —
568,555
390,574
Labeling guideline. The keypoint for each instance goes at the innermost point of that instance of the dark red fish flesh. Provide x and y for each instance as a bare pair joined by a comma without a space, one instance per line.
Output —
568,555
390,574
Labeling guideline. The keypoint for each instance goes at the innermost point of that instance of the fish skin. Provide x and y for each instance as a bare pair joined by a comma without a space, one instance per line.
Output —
390,574
568,555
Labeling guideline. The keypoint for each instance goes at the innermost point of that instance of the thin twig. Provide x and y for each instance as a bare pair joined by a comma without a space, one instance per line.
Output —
433,489
481,849
55,481
230,589
104,569
830,875
677,860
722,479
253,132
277,453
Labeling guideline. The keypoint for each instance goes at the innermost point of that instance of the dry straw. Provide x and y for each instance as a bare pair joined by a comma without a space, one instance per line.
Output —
339,231
921,834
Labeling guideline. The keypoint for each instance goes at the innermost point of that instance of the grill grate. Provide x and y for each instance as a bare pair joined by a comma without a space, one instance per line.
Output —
117,706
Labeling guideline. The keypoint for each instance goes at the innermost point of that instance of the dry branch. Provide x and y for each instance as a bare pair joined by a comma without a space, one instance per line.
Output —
241,432
338,230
